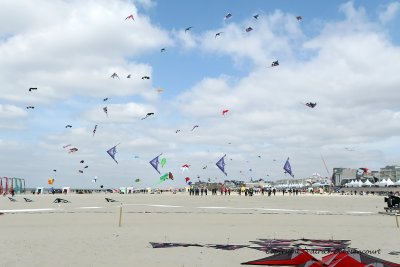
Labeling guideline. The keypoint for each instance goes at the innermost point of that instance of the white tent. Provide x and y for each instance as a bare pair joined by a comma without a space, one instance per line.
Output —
368,183
397,183
389,182
382,183
352,183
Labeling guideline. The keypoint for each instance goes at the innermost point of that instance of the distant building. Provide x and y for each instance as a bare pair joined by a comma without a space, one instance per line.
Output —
392,172
342,176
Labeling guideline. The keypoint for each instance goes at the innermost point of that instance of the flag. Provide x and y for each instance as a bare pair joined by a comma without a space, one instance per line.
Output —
288,168
112,151
221,165
154,162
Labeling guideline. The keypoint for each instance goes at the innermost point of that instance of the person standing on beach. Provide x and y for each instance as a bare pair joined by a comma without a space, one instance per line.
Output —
274,191
12,191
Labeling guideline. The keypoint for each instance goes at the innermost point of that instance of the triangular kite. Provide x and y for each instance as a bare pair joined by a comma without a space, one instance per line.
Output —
288,168
221,165
154,162
112,151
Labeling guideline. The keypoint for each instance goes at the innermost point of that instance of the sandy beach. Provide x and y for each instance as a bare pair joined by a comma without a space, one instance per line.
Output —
85,232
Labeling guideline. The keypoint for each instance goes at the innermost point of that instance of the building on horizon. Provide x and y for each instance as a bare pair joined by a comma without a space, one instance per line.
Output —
390,171
341,176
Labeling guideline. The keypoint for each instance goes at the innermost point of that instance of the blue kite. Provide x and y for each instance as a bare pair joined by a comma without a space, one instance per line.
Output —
112,151
221,165
288,168
154,162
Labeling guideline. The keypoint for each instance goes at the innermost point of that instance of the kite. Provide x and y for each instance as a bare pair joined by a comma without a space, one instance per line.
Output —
30,107
185,167
227,16
54,170
225,111
177,131
288,168
129,76
94,130
154,162
82,161
105,99
194,127
135,157
32,88
80,171
114,75
163,49
130,17
311,104
166,176
249,29
188,28
221,164
274,64
205,167
160,90
218,34
190,183
145,78
187,179
147,115
86,167
137,180
67,146
350,148
50,181
299,18
94,180
170,176
105,110
163,162
68,126
256,16
72,150
112,151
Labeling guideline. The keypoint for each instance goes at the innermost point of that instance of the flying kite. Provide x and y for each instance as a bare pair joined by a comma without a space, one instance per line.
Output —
105,99
163,49
30,107
288,168
80,171
54,170
68,126
135,157
227,16
256,16
154,162
274,63
94,180
299,18
225,111
177,131
185,167
194,127
95,129
129,76
112,151
311,104
147,115
205,167
105,110
72,150
32,88
86,167
145,78
82,161
188,29
114,75
166,176
221,164
50,181
187,179
137,180
249,29
130,17
218,34
67,146
163,162
160,90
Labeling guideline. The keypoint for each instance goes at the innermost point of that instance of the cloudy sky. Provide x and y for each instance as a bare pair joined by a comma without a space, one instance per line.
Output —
343,55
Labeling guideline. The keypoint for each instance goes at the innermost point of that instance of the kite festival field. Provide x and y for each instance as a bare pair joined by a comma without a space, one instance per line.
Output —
85,232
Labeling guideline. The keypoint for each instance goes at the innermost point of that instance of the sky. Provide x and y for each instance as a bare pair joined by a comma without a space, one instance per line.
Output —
343,55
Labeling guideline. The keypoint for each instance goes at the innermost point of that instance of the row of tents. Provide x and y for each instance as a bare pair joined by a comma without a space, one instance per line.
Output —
367,183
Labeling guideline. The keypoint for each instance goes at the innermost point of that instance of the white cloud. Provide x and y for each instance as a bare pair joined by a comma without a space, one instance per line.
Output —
389,12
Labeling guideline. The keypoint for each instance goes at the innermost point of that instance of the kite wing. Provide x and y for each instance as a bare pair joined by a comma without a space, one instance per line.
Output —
221,164
154,162
288,168
112,151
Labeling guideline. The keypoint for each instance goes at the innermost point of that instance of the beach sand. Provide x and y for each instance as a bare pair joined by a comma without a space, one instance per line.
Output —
85,232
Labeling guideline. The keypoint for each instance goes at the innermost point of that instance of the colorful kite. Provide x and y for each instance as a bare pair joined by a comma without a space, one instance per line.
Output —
187,179
225,111
166,176
185,167
130,17
50,181
288,168
221,164
154,162
112,151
